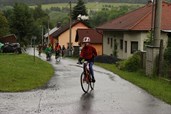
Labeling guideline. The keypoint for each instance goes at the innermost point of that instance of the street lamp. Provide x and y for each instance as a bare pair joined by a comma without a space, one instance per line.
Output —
42,34
34,38
48,30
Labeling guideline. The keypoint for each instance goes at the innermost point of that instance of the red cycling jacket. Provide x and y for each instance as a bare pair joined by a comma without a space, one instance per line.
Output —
57,48
88,52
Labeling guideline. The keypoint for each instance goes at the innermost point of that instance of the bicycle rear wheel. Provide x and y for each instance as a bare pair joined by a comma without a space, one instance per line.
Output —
57,59
84,83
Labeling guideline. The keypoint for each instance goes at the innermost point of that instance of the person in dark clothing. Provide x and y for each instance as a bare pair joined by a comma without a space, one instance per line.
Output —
48,52
57,50
40,49
63,50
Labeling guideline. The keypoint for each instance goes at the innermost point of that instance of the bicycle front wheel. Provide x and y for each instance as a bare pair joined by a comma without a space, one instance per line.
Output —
84,83
91,83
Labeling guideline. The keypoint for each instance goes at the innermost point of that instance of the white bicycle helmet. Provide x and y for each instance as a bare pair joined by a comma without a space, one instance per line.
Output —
86,39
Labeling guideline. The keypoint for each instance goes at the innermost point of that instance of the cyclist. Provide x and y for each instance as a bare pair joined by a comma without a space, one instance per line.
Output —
48,52
40,49
63,50
88,53
57,50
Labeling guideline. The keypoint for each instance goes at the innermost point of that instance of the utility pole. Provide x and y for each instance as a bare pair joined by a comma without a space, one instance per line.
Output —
154,50
70,37
48,32
158,42
152,23
34,38
157,23
42,35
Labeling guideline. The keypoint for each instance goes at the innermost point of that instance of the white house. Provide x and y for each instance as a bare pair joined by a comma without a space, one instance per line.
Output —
128,33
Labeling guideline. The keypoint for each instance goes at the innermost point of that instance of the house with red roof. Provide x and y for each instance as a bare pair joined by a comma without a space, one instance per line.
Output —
95,36
11,38
126,34
62,35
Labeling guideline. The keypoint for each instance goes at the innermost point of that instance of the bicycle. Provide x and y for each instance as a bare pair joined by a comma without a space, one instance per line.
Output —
57,57
86,78
48,56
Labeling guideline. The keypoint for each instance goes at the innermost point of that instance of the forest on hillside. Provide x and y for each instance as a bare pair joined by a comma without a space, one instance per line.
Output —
31,2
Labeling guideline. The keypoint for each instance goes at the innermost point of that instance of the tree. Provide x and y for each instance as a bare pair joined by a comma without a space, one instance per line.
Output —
4,27
98,18
22,22
38,12
40,22
79,9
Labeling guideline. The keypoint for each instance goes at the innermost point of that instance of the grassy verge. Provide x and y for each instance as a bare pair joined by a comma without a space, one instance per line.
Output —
21,73
155,86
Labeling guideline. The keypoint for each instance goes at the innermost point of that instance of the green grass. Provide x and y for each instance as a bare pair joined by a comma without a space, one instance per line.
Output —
155,86
56,16
89,5
21,73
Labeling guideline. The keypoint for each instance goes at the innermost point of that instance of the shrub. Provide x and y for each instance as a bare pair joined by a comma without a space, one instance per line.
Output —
106,59
167,55
131,64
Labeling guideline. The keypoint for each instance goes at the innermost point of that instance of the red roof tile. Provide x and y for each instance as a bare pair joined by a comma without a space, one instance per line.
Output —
95,36
140,19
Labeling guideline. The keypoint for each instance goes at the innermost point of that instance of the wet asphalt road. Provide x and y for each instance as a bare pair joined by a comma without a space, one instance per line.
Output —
63,95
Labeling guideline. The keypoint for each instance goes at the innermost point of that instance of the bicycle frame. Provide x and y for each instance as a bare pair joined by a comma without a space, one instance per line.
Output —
86,68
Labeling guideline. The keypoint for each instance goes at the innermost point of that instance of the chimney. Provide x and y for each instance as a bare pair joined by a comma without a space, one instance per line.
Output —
58,24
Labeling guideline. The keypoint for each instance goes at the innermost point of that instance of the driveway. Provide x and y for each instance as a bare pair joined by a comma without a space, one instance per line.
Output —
63,95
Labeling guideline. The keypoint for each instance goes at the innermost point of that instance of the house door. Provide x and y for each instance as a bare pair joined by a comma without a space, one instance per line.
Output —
134,46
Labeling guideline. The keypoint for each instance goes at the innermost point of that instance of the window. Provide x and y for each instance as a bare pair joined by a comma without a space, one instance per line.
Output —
125,46
134,46
121,44
108,40
115,44
111,43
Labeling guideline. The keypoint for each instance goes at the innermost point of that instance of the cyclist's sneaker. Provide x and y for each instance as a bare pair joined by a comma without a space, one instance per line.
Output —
79,62
93,80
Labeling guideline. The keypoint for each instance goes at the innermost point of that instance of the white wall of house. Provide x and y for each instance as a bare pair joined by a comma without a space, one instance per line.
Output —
107,50
127,38
110,39
134,37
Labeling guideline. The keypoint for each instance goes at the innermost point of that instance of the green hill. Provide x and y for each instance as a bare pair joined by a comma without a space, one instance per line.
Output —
32,2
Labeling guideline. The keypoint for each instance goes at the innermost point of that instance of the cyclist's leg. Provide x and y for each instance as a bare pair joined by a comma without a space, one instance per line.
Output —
56,54
91,71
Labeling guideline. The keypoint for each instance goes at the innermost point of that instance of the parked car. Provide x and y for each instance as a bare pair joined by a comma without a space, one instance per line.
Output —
1,45
11,48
